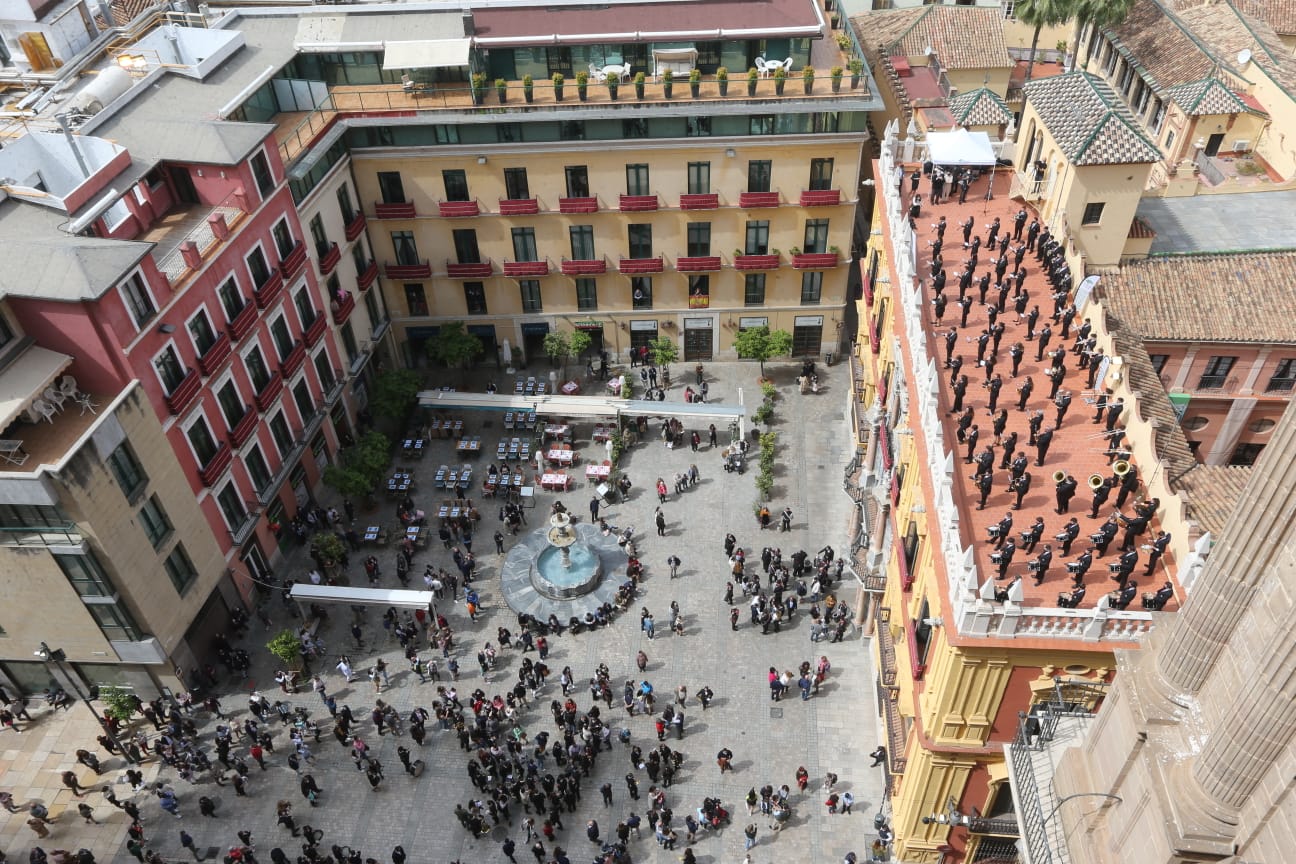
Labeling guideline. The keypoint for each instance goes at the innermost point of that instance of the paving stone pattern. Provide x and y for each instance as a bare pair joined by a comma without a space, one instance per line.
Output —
832,732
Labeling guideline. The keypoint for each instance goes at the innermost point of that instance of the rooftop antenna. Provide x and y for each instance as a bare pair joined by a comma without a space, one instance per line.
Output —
62,118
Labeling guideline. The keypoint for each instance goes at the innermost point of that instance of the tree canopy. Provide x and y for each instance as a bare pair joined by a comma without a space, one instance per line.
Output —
361,468
663,350
454,345
394,393
761,343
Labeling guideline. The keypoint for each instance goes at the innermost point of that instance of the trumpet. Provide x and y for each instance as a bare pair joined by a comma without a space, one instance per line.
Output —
1059,476
1121,468
1096,481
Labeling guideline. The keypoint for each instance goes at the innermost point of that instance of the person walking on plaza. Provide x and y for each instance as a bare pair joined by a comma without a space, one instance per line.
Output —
660,519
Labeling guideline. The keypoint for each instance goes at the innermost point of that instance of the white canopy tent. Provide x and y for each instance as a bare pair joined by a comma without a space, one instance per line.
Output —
426,54
304,594
555,405
960,147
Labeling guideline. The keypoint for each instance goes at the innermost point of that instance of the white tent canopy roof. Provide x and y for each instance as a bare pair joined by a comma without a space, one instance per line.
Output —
426,54
579,406
960,147
401,599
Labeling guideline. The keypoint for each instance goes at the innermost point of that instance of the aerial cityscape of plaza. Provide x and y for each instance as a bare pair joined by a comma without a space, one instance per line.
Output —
403,459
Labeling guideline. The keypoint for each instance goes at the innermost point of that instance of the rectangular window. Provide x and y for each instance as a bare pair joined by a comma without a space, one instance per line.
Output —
758,175
324,369
405,247
200,438
571,130
757,237
1158,362
258,267
231,298
319,236
754,289
349,342
699,292
821,174
1216,374
86,576
697,127
200,331
515,184
180,569
1284,377
1246,454
577,181
508,133
345,205
415,299
305,308
358,257
635,127
138,300
1092,213
816,236
282,435
466,249
154,521
231,404
284,342
475,297
391,187
6,333
582,242
262,174
524,244
640,237
1158,115
127,470
637,179
456,184
376,318
811,287
587,295
531,295
699,178
257,469
699,239
641,292
258,372
760,124
305,402
169,368
283,238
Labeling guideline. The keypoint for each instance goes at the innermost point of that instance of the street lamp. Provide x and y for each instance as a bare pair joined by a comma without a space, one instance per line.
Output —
58,656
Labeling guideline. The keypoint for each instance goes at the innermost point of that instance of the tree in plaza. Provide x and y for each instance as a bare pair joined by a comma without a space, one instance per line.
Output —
454,345
664,351
1040,14
580,342
394,393
557,347
361,467
287,647
118,701
762,343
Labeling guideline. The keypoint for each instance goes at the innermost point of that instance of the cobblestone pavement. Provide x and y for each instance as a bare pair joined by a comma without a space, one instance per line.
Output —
832,732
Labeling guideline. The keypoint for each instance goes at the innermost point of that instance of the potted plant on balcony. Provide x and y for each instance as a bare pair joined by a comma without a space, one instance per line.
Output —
836,74
582,85
558,86
856,69
722,79
639,85
807,79
795,250
780,80
695,82
613,85
753,78
501,89
668,83
528,85
478,88
844,41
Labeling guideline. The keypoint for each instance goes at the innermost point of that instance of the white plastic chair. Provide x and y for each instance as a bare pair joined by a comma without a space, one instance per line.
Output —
55,398
68,386
762,68
41,410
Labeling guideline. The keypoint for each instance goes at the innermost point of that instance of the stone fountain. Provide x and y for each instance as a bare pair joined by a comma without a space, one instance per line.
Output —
559,569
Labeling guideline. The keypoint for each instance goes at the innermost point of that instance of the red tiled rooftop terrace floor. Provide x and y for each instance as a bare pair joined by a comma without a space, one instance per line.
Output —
1077,445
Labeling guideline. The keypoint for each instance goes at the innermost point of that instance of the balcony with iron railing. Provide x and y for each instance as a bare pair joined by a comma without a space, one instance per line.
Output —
355,226
526,269
316,328
215,355
392,209
329,258
756,262
458,209
269,290
184,392
421,270
343,306
266,396
470,270
188,236
244,427
293,360
519,206
583,267
241,324
367,277
41,536
293,262
216,465
243,529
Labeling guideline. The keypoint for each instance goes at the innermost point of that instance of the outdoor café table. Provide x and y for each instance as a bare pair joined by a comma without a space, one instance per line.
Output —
371,534
562,457
553,481
598,472
508,420
602,433
557,430
469,445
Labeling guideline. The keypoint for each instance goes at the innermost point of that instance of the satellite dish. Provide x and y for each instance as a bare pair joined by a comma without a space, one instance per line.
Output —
1244,57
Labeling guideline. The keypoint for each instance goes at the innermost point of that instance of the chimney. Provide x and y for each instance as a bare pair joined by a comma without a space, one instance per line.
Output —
192,257
218,227
241,199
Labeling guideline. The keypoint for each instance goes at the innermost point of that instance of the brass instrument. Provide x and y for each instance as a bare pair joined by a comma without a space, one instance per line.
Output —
1096,481
1059,476
1121,468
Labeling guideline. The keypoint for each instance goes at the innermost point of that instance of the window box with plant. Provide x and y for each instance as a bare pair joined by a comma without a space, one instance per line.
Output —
528,86
478,88
558,81
668,83
780,80
722,80
639,82
695,82
582,85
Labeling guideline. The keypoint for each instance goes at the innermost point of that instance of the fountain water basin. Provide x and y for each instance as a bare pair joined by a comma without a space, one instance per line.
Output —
568,568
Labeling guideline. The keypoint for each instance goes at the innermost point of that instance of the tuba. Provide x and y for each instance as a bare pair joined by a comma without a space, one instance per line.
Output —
1121,468
1059,476
1095,481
